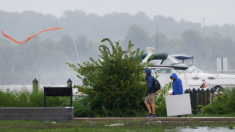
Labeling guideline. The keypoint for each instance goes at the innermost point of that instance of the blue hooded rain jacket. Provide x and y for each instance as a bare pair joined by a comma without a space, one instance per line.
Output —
149,79
177,85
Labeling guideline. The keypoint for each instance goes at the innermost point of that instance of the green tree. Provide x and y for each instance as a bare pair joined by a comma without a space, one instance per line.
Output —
115,82
139,36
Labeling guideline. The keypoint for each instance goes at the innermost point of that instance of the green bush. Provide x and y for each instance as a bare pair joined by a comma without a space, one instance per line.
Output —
222,104
115,82
160,101
24,98
80,107
7,99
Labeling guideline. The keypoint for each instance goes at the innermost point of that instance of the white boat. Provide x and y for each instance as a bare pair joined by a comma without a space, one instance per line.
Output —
163,65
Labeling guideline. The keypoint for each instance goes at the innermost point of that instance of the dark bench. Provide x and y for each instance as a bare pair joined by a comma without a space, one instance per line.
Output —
58,91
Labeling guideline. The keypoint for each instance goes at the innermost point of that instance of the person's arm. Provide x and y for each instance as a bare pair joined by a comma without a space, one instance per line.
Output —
149,85
179,87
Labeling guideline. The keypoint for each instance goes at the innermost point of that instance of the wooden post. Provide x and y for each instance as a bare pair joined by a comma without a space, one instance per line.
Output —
199,92
71,99
194,100
203,97
45,104
211,94
199,96
69,83
191,97
35,86
187,91
207,96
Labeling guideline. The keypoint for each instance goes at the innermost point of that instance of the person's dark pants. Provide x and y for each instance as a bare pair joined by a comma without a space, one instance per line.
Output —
180,115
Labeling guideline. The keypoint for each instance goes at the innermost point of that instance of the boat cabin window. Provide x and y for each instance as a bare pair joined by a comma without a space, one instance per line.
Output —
155,62
188,61
170,60
164,70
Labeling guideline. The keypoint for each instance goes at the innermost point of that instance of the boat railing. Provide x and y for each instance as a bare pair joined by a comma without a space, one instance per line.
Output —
211,72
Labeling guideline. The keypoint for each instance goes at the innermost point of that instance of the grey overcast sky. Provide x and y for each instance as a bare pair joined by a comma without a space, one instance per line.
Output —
215,12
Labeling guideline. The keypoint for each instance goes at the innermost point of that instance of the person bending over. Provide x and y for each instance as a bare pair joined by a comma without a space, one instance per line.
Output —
177,87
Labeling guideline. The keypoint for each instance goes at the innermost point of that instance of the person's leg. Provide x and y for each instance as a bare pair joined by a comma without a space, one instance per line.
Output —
153,108
148,106
152,104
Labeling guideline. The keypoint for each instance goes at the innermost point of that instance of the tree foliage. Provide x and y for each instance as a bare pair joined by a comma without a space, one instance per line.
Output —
115,25
222,104
114,81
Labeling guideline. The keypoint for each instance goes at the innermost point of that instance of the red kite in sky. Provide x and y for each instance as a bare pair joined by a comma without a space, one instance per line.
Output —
55,28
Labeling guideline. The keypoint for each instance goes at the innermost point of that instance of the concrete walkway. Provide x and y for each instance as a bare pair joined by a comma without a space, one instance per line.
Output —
158,119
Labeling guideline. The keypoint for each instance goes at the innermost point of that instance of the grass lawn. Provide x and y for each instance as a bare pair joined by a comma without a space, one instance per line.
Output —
99,126
207,115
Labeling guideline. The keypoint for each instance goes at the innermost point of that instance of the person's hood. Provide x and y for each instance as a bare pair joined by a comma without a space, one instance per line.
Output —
174,75
148,71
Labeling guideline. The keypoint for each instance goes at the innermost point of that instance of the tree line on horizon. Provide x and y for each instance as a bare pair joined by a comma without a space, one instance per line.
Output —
94,27
44,57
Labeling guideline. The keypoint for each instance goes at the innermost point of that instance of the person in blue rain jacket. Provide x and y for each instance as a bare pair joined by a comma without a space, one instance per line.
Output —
177,87
150,94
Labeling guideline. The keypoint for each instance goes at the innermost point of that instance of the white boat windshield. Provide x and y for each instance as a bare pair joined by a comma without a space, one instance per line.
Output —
191,69
170,60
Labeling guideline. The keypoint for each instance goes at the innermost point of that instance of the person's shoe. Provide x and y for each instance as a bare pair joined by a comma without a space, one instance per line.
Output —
149,115
153,115
178,116
186,115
